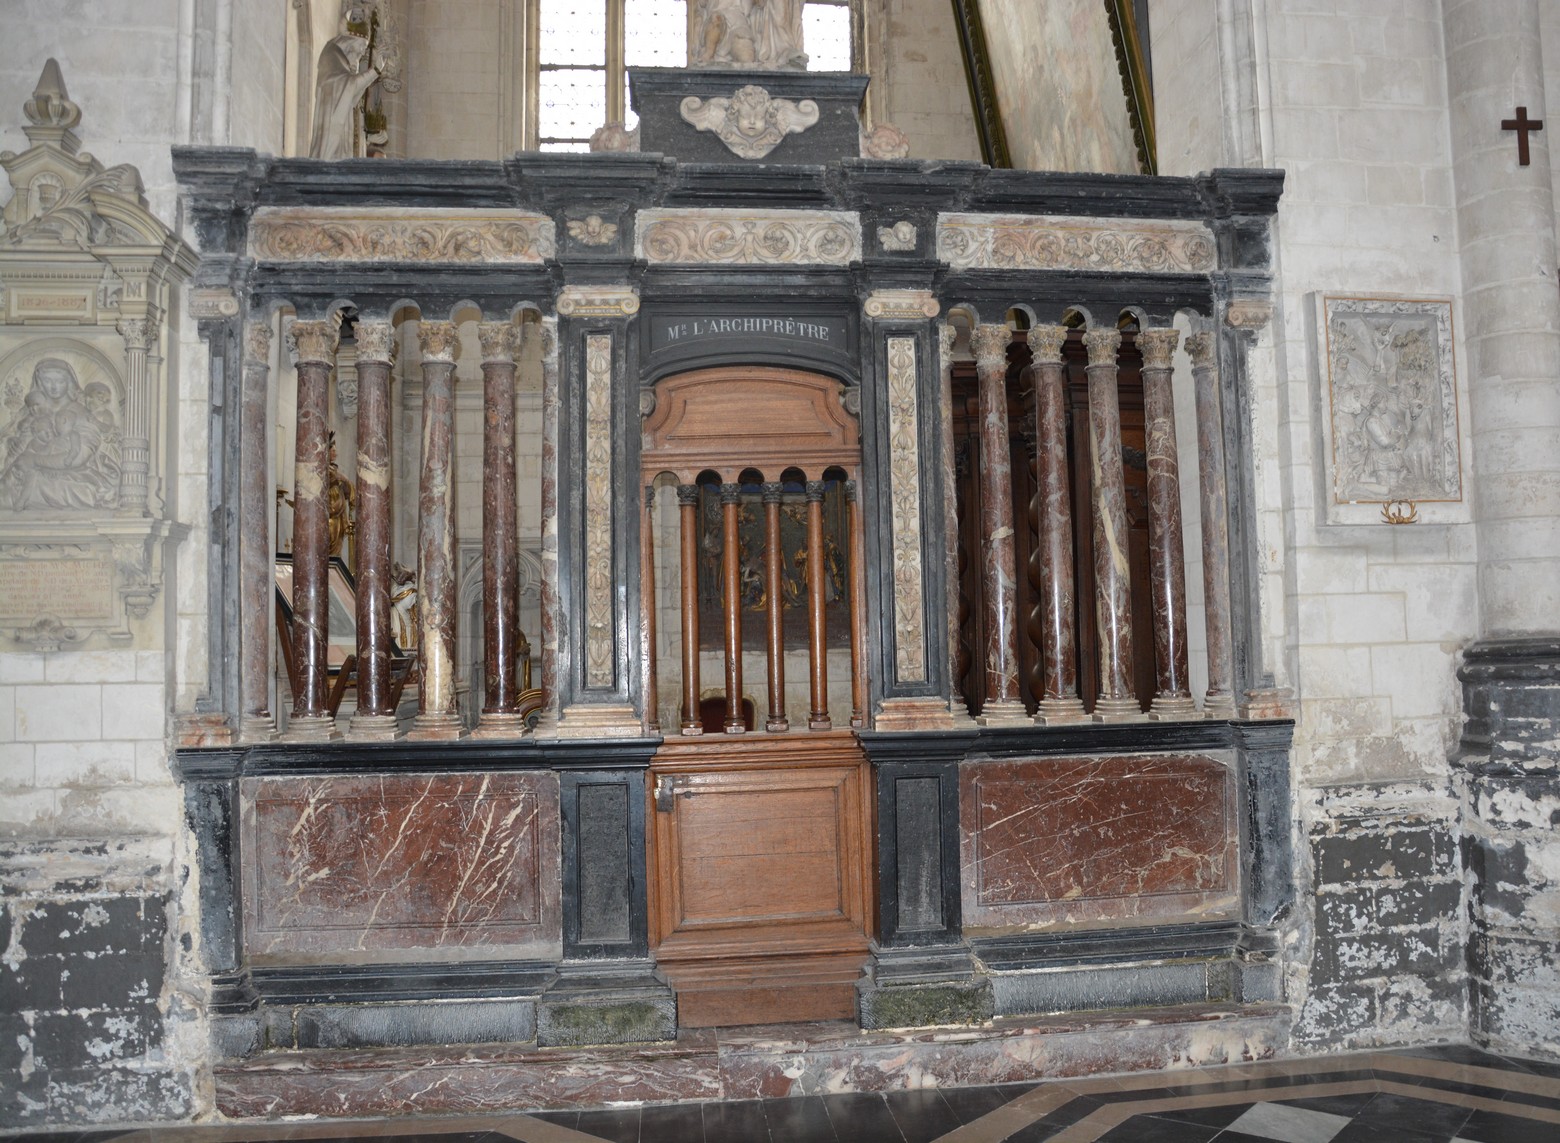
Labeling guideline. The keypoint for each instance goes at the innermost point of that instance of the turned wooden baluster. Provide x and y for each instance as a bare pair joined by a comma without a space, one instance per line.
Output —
1000,561
1059,701
375,715
817,642
1167,559
858,607
688,511
731,582
1112,575
1213,501
500,540
648,601
316,348
774,589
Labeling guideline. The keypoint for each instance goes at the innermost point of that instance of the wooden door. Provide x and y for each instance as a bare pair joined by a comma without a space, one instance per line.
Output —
760,899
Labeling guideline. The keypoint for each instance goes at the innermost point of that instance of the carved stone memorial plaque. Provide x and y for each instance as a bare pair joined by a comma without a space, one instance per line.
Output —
1390,410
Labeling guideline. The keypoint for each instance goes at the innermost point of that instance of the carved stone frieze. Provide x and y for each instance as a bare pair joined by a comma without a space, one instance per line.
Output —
741,237
902,304
393,234
898,237
1116,245
598,510
905,509
751,122
598,301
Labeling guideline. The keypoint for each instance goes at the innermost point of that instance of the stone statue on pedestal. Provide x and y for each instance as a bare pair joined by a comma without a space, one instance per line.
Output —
757,34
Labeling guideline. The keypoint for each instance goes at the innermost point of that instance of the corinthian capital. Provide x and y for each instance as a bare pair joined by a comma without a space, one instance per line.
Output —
500,340
375,341
1045,344
990,343
313,342
437,340
1102,345
1157,346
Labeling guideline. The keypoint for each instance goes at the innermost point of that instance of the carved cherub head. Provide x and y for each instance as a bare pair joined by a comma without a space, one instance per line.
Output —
751,111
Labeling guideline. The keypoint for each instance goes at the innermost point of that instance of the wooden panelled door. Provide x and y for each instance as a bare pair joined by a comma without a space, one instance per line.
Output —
759,823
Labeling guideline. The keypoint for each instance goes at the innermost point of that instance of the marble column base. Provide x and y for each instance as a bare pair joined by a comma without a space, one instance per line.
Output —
922,987
257,728
492,725
372,728
606,1002
1173,708
1007,712
435,727
1220,705
311,728
599,720
1118,710
914,714
1060,712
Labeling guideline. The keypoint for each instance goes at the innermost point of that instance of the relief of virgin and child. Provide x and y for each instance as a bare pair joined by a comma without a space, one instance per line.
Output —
63,448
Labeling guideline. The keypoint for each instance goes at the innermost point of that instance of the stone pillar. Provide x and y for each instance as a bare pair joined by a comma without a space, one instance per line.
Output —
999,576
315,345
437,717
1511,676
1506,223
1214,505
1112,576
374,718
1059,701
500,716
139,333
256,577
1167,558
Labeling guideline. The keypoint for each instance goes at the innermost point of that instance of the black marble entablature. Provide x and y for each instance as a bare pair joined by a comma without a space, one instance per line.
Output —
459,756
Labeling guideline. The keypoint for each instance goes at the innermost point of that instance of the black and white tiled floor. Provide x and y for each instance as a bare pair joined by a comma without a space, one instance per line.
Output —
1430,1095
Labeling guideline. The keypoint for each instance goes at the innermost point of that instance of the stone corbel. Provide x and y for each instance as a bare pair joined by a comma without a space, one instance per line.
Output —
48,633
1248,314
598,301
902,305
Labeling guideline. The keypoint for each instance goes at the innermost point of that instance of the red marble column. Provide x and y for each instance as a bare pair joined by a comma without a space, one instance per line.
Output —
1059,701
1112,575
999,574
256,576
1167,559
649,601
858,609
500,717
774,592
1213,501
688,514
315,343
817,641
946,335
437,716
548,334
375,716
731,584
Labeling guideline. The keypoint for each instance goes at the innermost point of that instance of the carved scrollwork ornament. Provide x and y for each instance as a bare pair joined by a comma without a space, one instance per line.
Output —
48,633
647,400
1400,512
1248,315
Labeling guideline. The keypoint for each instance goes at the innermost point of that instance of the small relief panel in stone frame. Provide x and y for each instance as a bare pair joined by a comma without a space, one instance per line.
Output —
1390,416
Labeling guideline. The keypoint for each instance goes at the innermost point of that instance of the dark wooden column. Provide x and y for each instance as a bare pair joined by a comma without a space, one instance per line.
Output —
1213,502
817,634
1059,701
999,577
1112,575
774,592
374,718
256,576
858,610
688,513
1167,558
315,343
437,716
500,717
731,582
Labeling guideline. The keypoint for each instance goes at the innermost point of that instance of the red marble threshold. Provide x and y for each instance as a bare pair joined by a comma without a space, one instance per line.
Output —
744,1063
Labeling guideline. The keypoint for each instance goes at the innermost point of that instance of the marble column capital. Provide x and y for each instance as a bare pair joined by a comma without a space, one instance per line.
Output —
990,344
1102,345
1201,346
313,342
901,304
1045,343
731,493
375,341
947,334
688,494
814,490
257,343
500,342
138,333
437,340
1158,346
772,490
